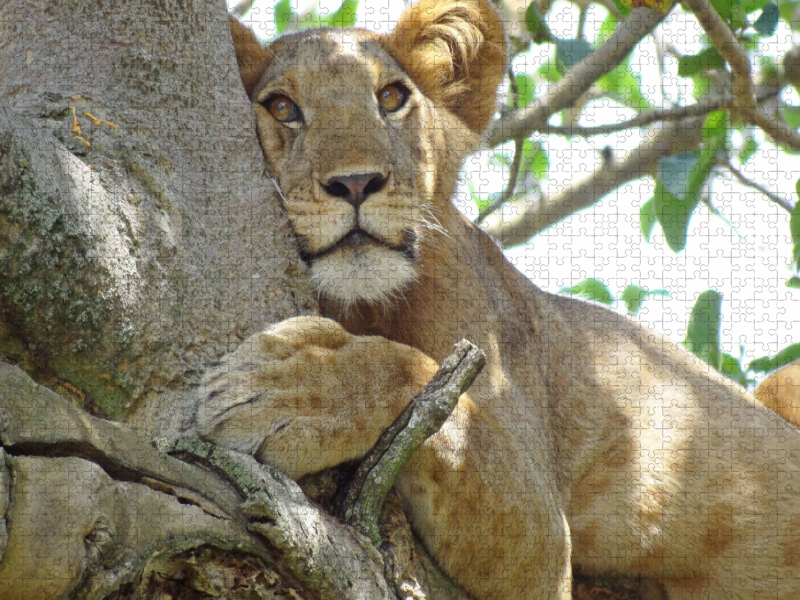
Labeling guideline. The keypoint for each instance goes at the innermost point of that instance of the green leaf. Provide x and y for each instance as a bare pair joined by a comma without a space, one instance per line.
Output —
571,52
625,86
634,296
732,369
703,335
673,172
748,149
673,214
283,14
591,289
535,160
716,125
792,116
690,65
536,26
607,29
344,16
738,18
789,11
549,72
794,228
750,6
794,283
526,87
767,23
765,364
623,9
647,218
723,7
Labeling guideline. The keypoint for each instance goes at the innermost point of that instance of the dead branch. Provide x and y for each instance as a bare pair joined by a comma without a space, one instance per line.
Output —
423,417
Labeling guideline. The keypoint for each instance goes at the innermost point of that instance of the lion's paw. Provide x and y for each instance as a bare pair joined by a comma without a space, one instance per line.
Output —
305,394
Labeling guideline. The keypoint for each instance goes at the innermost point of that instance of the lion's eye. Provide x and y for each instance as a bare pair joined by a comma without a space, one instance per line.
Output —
392,97
282,108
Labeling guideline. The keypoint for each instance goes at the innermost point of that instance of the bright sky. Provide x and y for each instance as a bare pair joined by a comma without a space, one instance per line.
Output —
748,263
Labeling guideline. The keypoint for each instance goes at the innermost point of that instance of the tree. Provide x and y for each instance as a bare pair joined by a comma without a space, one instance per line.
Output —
140,240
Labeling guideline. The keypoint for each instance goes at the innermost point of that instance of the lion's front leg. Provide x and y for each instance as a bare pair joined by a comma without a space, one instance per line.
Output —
306,395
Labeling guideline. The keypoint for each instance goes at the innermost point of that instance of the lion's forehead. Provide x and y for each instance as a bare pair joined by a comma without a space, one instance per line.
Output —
345,57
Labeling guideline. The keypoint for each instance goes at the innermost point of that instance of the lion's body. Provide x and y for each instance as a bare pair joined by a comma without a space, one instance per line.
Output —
587,440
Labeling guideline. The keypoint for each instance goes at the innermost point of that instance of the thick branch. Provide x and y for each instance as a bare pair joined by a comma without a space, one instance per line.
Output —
423,417
579,79
732,51
37,421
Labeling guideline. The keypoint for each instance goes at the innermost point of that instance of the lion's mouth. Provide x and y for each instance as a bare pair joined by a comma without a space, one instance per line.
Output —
358,239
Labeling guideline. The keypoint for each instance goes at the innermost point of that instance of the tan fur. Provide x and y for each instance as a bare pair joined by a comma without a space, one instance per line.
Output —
587,440
780,391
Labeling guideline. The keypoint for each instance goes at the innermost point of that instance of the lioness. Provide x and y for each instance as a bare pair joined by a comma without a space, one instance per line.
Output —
588,440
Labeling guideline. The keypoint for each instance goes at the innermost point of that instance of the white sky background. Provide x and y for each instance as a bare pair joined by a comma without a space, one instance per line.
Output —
748,265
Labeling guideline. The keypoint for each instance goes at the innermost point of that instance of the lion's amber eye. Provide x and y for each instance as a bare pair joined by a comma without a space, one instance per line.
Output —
393,97
282,108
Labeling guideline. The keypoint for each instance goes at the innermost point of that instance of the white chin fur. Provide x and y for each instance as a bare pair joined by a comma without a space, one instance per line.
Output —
373,274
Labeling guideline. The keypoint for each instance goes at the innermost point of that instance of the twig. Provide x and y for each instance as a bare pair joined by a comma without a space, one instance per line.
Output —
675,113
670,114
773,197
773,126
522,123
423,417
513,176
732,51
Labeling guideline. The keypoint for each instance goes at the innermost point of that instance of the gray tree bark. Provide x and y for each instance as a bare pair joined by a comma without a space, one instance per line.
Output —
140,240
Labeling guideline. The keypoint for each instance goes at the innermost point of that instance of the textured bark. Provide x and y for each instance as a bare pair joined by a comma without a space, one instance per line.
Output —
139,243
128,266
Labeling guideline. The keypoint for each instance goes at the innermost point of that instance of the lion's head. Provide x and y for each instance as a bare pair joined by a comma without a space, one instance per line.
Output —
364,134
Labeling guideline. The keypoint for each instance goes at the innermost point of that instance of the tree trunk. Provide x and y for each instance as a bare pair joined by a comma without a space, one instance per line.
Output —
140,240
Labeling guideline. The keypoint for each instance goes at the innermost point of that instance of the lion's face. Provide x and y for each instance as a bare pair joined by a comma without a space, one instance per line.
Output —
342,127
364,135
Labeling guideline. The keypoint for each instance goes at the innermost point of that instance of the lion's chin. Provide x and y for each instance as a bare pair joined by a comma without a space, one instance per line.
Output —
372,274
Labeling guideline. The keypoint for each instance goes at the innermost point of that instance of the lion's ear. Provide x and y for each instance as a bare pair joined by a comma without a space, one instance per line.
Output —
250,54
455,51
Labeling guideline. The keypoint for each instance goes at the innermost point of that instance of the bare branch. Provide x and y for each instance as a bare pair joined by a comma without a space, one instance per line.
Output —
423,417
675,113
670,114
773,197
516,229
731,50
772,125
513,177
524,122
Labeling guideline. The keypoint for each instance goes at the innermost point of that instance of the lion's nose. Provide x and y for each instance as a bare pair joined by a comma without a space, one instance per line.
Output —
354,189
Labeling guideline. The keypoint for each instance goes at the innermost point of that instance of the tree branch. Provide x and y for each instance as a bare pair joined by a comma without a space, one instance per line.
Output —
732,51
423,417
773,197
578,80
519,226
513,177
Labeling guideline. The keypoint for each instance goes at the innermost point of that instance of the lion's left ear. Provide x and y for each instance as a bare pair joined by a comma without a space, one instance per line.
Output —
455,51
251,56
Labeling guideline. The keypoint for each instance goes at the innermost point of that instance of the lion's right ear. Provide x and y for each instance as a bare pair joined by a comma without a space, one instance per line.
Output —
250,54
455,51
